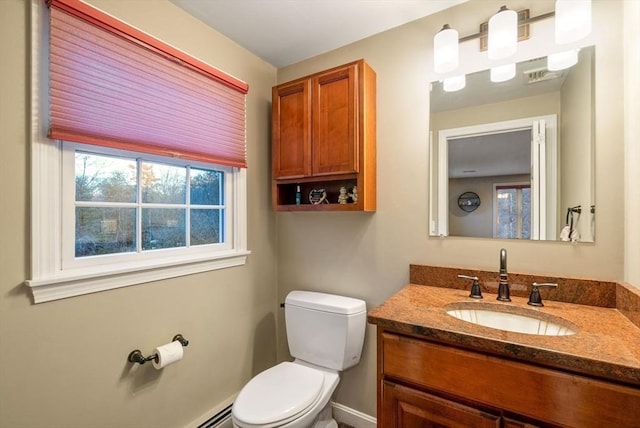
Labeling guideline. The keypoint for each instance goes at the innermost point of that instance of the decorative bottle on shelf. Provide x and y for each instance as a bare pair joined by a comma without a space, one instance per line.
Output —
298,196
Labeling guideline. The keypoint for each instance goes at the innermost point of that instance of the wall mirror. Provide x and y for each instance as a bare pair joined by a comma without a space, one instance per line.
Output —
525,147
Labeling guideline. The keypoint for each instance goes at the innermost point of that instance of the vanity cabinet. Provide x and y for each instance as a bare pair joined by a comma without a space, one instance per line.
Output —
423,384
324,136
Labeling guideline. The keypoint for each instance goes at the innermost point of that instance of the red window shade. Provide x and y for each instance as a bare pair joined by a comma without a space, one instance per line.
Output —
112,85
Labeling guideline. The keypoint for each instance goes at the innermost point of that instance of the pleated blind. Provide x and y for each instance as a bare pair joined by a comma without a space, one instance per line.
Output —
112,85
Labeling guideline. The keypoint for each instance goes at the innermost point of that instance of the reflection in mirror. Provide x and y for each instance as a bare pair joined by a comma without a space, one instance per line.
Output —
524,146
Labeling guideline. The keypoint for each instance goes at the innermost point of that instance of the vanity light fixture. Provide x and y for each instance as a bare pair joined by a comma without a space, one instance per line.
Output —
573,20
500,37
503,33
455,83
562,60
445,50
502,73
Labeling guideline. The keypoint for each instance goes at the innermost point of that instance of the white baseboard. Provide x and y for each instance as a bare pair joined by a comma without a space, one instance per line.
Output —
352,417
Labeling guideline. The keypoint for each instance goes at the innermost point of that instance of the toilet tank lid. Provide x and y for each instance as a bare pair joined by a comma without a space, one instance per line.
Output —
326,302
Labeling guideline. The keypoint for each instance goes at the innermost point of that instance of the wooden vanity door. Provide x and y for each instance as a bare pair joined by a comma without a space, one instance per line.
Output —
334,112
404,407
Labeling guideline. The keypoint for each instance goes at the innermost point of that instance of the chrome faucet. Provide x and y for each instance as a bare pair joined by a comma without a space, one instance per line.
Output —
503,285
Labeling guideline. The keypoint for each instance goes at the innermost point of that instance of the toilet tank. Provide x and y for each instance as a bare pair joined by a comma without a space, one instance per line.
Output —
325,329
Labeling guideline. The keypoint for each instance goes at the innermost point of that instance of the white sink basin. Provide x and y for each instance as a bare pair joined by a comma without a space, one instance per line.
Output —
503,318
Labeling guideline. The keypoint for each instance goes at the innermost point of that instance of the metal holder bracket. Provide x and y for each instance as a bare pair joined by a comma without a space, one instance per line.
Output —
136,356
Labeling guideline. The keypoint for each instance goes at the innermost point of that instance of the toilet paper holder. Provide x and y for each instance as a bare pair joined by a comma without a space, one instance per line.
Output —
136,356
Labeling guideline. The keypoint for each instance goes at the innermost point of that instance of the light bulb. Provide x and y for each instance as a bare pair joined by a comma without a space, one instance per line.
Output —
452,84
562,60
502,73
445,50
573,20
503,34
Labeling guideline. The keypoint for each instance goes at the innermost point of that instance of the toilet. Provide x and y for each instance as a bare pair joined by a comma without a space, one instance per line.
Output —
325,333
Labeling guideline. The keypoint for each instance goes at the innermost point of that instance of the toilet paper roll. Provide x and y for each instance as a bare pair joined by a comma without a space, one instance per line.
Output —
167,354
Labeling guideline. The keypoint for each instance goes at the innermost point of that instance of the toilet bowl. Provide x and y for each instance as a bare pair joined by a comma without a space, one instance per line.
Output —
325,334
289,395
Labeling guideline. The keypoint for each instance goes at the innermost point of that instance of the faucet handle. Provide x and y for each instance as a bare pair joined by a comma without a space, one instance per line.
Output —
534,297
476,293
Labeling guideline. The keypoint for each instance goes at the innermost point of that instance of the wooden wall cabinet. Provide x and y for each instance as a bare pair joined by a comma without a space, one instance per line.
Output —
427,384
324,137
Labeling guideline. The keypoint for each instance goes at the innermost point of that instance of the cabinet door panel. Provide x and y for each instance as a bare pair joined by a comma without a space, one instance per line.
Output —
291,154
408,408
335,144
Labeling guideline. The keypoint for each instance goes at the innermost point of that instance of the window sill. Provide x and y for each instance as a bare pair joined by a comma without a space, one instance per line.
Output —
72,284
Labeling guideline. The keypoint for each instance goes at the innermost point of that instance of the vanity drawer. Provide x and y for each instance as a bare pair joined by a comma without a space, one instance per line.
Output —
529,390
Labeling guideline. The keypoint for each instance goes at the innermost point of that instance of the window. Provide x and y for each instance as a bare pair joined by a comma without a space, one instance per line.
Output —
128,204
132,206
512,211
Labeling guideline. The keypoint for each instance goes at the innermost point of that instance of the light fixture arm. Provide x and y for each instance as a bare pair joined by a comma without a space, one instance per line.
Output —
520,22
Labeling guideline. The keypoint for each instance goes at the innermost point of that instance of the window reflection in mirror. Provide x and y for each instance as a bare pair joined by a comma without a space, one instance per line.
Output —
534,132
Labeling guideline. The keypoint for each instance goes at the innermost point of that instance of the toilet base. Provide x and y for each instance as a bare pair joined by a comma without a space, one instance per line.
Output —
317,416
325,418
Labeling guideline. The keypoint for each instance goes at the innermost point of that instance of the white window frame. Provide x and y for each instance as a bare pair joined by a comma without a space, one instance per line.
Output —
49,280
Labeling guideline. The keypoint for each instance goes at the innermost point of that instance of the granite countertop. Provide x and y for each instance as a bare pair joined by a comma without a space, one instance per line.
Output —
606,345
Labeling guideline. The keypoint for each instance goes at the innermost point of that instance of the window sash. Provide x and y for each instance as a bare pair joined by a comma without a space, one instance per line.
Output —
70,261
114,86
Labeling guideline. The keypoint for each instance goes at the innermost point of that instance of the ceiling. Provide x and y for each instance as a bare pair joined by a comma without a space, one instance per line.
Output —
489,155
283,32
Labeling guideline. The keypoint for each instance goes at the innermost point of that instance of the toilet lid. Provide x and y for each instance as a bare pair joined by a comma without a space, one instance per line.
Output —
278,393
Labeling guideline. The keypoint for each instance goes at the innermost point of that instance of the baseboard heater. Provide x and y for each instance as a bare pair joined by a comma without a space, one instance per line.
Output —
222,419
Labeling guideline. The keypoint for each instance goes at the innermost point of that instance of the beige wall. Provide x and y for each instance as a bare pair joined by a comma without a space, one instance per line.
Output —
63,363
631,133
367,255
577,163
537,105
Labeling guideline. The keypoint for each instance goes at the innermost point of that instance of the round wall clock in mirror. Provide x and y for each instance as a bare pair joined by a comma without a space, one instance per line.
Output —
469,201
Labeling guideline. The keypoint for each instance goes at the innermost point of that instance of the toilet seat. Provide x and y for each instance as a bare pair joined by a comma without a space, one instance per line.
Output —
278,395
